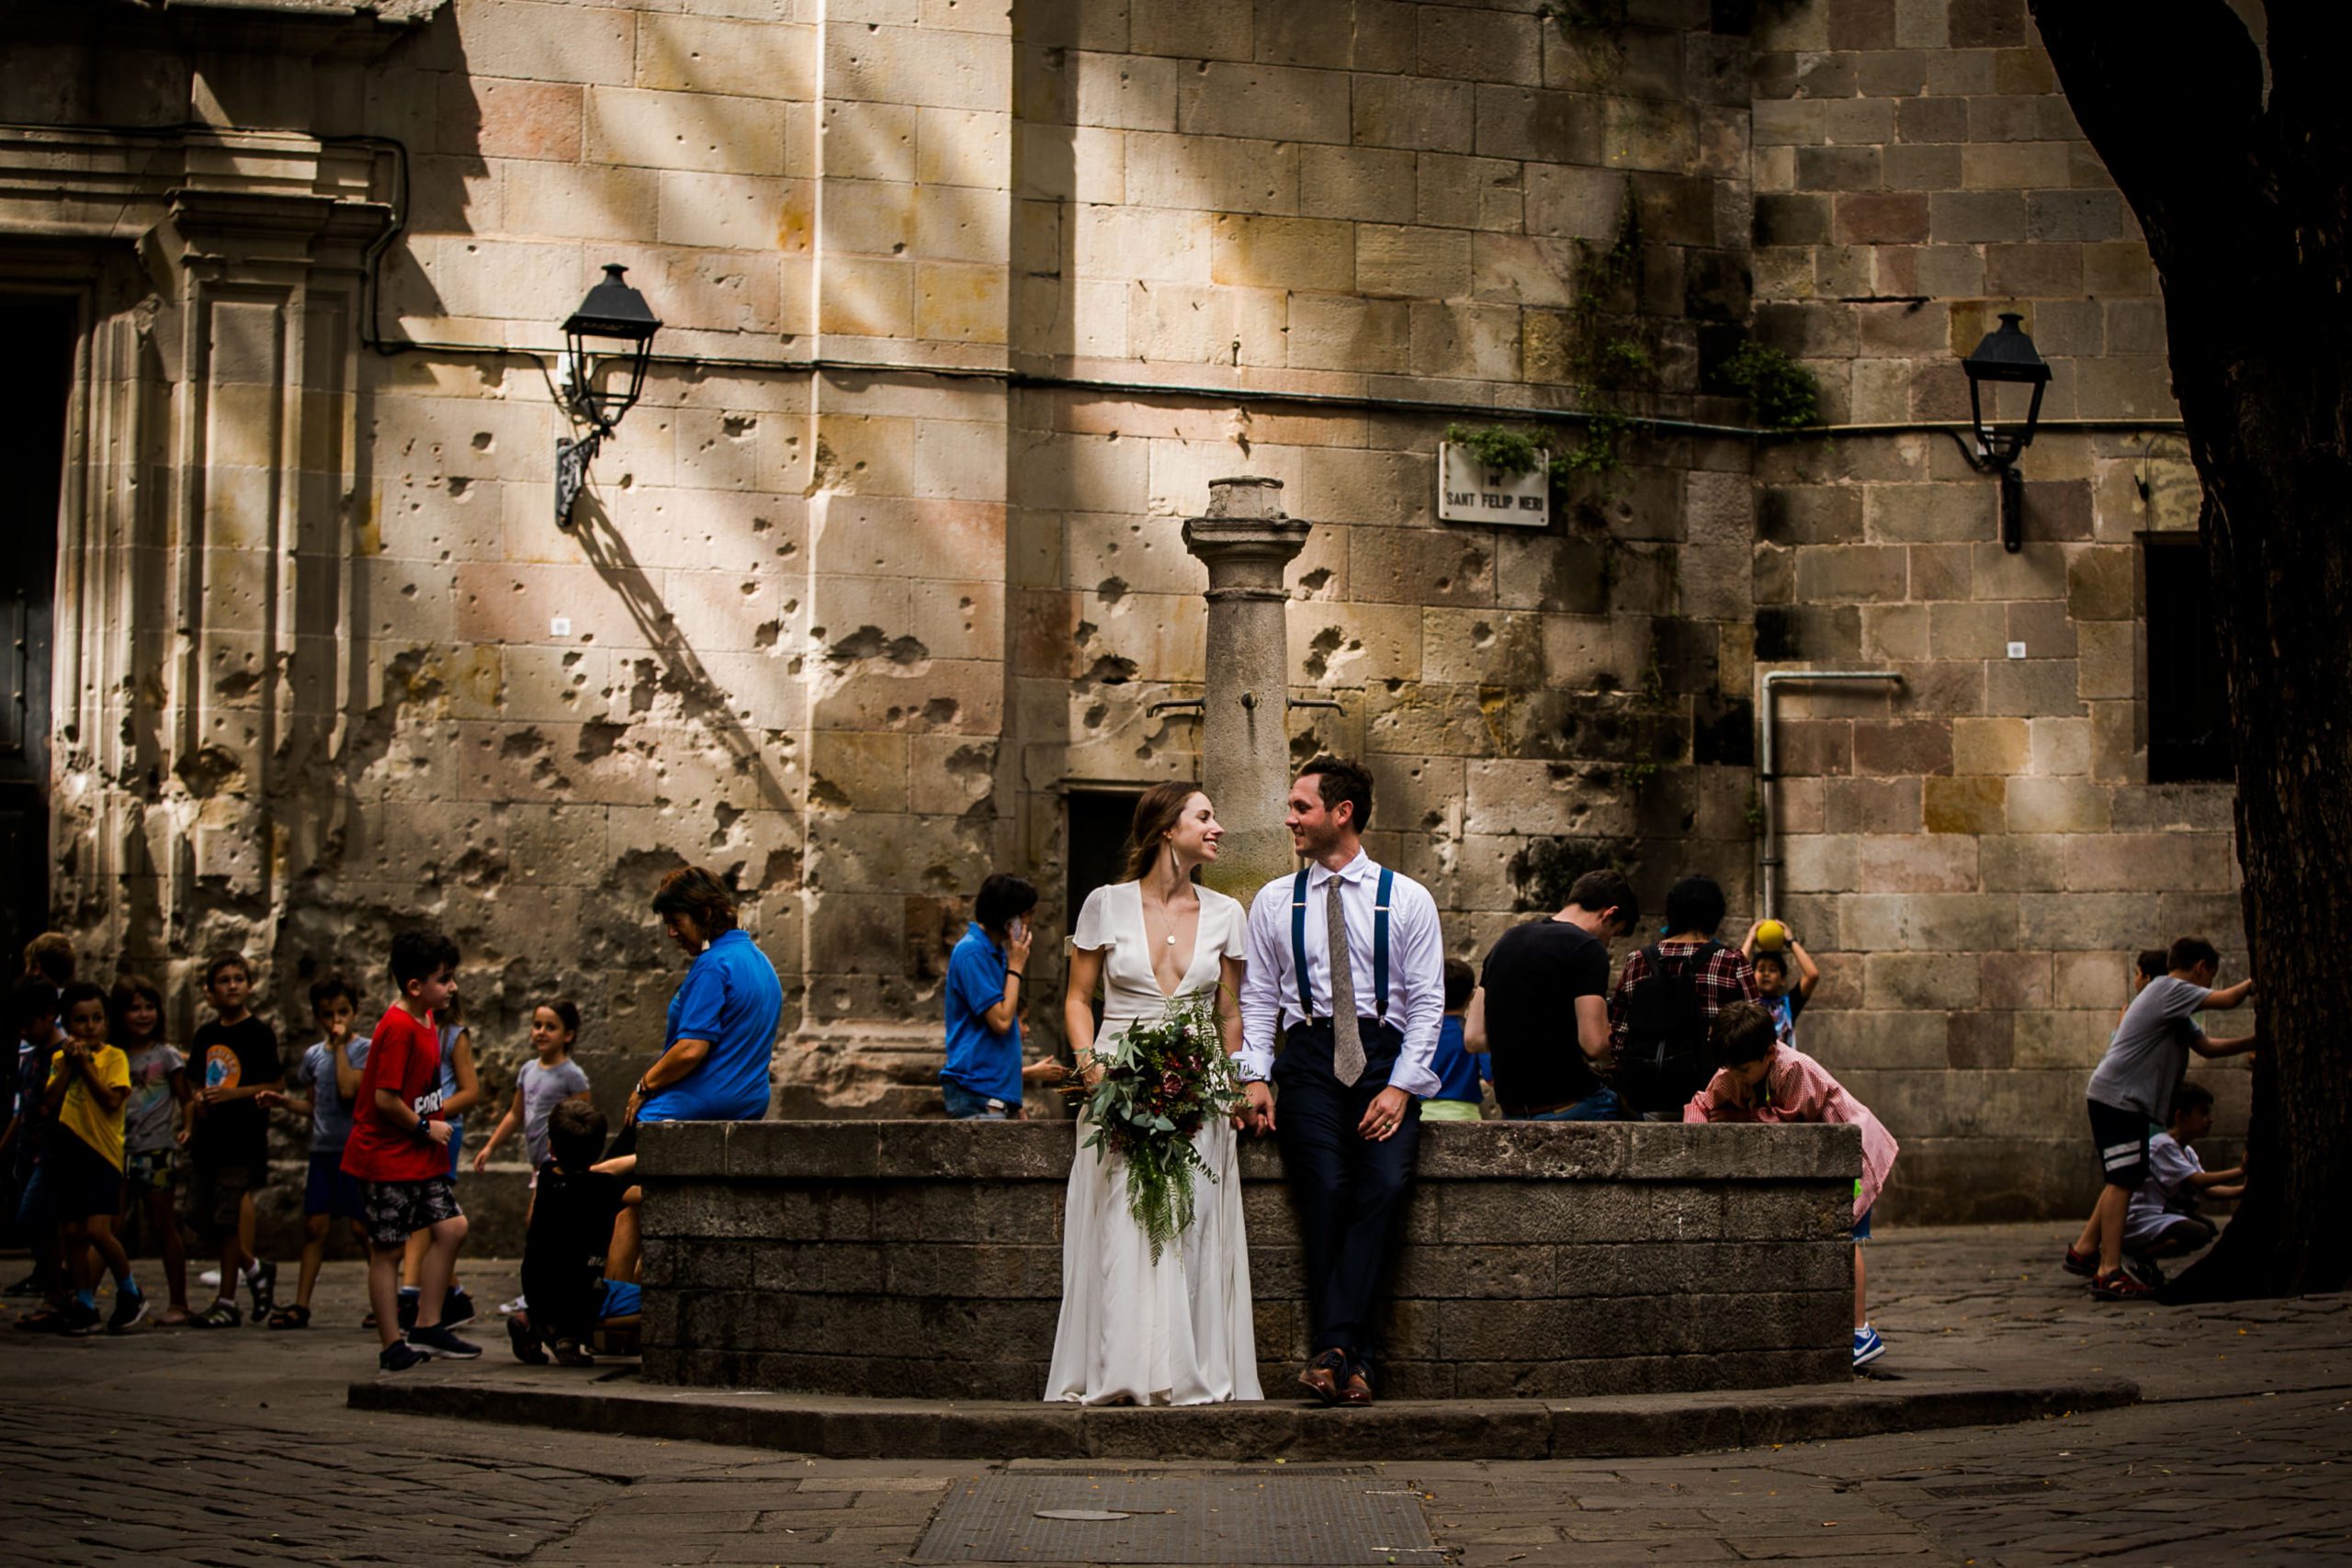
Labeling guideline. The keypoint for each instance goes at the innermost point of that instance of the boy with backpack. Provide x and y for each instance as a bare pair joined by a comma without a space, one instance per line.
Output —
1666,1002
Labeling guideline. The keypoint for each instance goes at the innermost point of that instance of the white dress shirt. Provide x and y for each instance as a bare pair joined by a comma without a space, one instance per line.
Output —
1416,967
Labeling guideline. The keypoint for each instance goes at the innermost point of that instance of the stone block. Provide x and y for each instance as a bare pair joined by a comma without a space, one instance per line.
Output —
1301,254
1465,341
2056,806
1868,573
1468,193
1526,122
1913,747
1349,334
706,132
1847,169
1412,262
1965,804
679,53
2036,687
1270,102
1914,864
550,43
1873,805
1929,980
1415,113
1934,922
1996,745
1217,29
1369,184
1976,217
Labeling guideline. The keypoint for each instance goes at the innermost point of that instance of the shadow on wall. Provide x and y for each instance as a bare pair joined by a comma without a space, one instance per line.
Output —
683,673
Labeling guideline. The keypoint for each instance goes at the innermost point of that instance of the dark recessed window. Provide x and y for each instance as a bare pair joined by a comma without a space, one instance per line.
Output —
2189,705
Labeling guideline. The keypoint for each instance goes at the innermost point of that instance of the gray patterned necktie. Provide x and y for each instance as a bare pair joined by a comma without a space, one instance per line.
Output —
1347,1041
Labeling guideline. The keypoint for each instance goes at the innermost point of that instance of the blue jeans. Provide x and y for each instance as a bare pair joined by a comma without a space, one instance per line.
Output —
1601,1105
963,1105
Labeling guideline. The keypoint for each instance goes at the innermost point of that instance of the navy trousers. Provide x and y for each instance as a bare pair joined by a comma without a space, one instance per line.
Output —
1347,1190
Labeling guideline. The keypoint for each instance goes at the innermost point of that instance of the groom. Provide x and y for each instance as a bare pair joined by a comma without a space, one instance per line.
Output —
1346,956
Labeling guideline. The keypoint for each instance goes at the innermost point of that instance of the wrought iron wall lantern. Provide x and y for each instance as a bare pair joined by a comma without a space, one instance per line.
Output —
2005,358
614,325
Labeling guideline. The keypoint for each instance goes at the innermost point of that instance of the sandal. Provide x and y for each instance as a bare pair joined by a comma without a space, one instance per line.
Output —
219,1315
294,1317
176,1317
42,1320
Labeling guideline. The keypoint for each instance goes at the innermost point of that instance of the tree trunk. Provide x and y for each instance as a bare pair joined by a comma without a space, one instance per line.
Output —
2248,211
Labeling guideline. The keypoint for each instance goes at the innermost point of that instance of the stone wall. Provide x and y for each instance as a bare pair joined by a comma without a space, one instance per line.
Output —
964,308
1976,856
924,1259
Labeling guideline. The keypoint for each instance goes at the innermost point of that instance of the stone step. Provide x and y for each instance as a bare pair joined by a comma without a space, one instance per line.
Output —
1632,1425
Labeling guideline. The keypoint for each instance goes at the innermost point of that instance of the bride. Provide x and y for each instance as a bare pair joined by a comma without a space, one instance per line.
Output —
1177,1331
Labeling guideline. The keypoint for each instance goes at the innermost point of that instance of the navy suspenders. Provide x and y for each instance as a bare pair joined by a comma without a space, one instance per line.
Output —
1379,944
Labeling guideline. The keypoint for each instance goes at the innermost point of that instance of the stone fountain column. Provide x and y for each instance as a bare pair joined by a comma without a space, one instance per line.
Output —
1245,541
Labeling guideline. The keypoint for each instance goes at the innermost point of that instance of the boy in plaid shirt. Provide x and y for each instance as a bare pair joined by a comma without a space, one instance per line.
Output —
1717,976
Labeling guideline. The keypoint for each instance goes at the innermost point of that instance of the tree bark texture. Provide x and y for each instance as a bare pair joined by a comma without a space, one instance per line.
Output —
2246,201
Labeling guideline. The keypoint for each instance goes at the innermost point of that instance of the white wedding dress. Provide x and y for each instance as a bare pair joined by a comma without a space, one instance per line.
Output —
1178,1332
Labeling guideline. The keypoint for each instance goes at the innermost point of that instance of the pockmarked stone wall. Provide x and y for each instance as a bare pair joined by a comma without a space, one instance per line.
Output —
924,1259
964,307
1976,856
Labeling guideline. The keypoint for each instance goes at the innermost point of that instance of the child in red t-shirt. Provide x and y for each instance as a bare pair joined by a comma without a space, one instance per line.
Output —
398,1149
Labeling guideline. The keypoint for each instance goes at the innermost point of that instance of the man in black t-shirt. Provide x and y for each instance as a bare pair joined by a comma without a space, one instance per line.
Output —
1542,1008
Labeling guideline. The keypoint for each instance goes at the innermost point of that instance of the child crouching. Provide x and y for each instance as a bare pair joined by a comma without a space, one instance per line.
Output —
2163,1221
565,1251
1759,1080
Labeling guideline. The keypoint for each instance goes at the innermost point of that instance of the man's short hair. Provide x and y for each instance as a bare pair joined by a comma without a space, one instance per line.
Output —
1606,889
32,998
1338,779
2190,1097
2152,962
326,989
1741,1033
576,1135
1002,899
50,956
420,954
226,960
696,892
1694,903
2190,951
1460,981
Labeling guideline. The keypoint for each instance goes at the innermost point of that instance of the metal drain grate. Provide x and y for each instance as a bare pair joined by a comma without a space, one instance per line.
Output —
1277,1520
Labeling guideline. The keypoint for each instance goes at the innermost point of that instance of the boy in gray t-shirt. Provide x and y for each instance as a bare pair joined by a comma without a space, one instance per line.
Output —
2133,1086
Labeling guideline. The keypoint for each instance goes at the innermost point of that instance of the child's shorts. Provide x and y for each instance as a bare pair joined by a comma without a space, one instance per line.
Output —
2122,1137
1862,1225
398,1209
217,1189
149,1170
84,1181
622,1298
330,1189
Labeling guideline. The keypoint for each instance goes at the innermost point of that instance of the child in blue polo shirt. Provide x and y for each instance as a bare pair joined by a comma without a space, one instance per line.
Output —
986,973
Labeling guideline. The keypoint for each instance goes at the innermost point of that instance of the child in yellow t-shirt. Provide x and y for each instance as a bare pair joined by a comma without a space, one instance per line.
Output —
88,1082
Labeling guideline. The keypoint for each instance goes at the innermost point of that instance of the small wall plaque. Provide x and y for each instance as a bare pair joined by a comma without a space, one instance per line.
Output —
1469,492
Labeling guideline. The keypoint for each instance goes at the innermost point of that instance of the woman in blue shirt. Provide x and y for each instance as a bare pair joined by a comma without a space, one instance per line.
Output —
982,1000
721,1034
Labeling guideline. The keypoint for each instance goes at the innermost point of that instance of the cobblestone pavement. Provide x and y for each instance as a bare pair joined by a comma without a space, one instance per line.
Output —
236,1449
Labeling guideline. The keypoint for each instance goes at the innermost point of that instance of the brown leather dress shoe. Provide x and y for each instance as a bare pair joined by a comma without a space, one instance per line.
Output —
1357,1390
1322,1376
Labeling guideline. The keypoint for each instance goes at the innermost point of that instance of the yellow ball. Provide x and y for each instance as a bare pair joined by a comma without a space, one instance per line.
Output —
1771,936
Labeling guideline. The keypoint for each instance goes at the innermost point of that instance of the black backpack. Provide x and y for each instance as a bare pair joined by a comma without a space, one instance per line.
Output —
1665,1059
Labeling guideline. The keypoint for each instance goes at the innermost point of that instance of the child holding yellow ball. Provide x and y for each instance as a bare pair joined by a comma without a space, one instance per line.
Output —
1785,975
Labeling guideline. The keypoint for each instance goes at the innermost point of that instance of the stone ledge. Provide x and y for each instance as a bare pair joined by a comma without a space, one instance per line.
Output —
1041,1151
1619,1427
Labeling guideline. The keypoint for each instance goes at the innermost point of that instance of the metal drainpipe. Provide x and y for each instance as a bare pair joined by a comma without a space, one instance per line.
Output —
1769,773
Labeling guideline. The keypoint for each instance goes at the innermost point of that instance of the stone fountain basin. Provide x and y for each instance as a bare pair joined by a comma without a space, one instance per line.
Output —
922,1259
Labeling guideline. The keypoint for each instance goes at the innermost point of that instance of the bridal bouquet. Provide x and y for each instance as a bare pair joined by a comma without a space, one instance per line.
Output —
1159,1084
